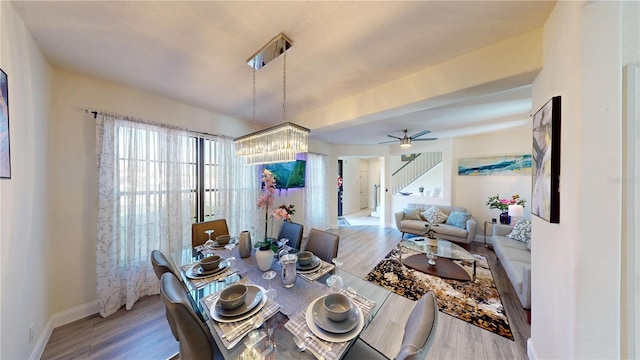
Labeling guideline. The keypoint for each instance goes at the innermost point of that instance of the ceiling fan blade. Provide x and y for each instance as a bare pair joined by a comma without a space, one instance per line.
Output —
388,142
425,139
395,137
417,135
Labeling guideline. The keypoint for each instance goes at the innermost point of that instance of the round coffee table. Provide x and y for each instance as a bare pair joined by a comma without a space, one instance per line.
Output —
445,251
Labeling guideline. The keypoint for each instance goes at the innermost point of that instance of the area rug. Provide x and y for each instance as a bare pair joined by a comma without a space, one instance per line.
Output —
476,302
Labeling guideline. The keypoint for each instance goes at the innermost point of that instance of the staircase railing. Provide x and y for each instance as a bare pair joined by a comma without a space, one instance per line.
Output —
413,169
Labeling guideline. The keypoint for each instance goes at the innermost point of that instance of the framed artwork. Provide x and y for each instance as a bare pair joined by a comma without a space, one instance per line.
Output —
5,157
408,157
545,172
495,165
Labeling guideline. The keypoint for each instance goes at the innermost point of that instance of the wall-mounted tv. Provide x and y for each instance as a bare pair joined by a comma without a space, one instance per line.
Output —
288,174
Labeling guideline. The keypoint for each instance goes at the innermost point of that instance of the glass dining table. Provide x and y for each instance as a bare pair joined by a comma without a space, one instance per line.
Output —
275,338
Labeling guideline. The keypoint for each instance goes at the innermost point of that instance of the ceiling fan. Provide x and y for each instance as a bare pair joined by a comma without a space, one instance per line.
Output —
406,140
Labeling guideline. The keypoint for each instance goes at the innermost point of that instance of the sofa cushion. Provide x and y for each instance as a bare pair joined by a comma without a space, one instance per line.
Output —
505,242
458,219
414,225
515,272
434,215
444,229
521,231
412,214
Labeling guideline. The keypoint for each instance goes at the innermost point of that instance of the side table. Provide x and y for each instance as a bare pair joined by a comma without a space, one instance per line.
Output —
484,234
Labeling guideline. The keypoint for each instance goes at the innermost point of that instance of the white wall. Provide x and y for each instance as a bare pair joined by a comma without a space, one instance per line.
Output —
75,181
472,192
576,263
24,210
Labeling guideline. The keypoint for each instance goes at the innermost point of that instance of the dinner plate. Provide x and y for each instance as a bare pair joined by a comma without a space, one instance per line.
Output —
323,322
193,272
227,319
330,337
254,296
315,262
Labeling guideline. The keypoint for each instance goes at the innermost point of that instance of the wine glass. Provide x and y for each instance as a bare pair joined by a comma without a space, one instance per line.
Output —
335,280
268,275
210,241
231,259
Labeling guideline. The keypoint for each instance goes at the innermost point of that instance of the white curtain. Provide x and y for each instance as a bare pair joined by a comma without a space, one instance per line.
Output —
316,197
145,173
238,187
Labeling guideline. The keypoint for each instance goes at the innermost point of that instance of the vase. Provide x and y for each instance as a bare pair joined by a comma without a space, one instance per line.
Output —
505,218
264,258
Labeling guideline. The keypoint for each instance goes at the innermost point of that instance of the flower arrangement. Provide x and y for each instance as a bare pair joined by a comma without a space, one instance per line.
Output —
265,201
284,212
495,202
429,230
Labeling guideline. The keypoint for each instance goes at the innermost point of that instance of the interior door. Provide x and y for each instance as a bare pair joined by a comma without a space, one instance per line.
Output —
364,189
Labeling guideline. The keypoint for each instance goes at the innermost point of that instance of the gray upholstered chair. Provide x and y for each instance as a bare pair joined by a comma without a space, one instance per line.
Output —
293,232
323,244
418,334
198,236
162,265
195,339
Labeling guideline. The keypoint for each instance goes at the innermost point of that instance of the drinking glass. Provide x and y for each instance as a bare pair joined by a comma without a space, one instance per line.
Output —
209,232
335,280
268,275
231,259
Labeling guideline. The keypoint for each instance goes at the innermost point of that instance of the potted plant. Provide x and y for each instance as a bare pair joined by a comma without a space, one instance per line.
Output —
495,202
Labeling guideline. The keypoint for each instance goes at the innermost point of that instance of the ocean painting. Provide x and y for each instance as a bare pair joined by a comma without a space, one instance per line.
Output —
495,165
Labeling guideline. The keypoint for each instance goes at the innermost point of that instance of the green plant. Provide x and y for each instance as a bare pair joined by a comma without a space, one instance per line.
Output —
266,245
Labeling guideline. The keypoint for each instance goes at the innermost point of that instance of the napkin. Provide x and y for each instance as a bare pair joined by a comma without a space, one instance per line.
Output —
324,268
297,325
205,280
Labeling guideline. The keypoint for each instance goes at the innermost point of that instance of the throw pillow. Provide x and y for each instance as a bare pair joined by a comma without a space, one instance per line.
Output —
521,231
458,219
411,214
434,215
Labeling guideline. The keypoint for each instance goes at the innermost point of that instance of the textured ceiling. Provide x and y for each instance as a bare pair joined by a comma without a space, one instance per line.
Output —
195,52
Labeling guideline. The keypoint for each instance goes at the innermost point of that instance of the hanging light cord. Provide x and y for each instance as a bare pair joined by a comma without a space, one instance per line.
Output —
284,87
254,98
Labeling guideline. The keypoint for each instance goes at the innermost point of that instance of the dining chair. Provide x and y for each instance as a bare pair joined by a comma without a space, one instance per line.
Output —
419,332
323,244
162,265
198,237
293,232
196,342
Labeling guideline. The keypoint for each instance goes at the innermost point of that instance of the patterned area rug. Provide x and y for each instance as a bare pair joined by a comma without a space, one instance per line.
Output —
476,302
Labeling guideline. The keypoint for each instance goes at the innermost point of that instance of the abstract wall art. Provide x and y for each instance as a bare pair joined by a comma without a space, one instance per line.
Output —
5,154
495,165
545,197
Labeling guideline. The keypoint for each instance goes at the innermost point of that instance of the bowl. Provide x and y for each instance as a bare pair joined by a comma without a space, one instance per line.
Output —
210,262
305,257
337,306
233,296
223,239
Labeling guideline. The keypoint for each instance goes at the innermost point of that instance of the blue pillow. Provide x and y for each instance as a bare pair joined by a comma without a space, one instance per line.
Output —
458,219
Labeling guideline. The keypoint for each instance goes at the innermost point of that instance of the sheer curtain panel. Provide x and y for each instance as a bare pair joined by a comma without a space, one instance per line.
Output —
145,178
316,197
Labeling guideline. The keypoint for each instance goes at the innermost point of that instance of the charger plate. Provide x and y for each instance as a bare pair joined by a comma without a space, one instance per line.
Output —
331,337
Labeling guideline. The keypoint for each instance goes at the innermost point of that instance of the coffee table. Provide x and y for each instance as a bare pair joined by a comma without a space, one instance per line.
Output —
445,251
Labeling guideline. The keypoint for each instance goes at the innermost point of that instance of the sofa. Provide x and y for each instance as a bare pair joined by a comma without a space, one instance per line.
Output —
515,257
464,234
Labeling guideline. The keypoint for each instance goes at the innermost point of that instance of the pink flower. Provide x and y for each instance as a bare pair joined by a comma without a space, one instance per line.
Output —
281,213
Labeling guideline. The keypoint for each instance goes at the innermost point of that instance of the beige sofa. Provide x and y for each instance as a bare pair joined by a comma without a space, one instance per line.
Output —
515,258
443,231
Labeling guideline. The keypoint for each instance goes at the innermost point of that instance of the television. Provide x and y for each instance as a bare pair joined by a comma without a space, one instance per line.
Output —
288,174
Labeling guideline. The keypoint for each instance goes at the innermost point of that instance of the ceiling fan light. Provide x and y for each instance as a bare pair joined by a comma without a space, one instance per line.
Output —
405,143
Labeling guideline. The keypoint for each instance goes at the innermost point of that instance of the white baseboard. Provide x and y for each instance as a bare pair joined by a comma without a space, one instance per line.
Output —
531,353
60,319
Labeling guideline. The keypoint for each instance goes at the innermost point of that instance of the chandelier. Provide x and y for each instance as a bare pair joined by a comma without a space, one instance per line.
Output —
278,143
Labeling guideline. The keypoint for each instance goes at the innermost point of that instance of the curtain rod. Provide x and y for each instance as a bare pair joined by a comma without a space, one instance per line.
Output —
130,118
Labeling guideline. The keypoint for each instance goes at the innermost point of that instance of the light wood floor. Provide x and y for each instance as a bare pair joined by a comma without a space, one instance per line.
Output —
143,333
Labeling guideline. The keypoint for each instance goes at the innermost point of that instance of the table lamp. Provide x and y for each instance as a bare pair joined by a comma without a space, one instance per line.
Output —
515,211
